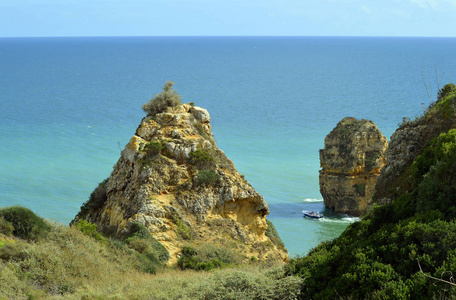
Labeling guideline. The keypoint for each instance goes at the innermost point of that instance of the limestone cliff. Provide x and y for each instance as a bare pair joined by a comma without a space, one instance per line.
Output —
408,142
351,161
172,178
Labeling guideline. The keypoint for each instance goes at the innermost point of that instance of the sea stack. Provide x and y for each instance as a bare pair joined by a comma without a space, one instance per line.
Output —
351,161
173,179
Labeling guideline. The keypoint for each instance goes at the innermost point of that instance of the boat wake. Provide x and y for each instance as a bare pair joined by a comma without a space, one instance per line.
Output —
342,219
312,200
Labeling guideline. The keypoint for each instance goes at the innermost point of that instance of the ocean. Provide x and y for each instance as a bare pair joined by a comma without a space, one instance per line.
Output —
69,105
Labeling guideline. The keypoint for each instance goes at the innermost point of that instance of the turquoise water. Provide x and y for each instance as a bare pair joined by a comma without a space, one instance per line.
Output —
69,104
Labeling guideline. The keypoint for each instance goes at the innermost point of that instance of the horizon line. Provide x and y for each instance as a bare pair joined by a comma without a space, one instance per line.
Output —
218,36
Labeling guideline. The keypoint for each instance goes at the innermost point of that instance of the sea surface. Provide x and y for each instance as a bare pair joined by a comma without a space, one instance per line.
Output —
69,105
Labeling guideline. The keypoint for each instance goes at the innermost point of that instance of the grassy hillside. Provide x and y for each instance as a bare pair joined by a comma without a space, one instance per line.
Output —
61,262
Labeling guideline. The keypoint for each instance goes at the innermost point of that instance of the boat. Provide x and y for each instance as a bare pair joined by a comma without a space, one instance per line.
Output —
312,214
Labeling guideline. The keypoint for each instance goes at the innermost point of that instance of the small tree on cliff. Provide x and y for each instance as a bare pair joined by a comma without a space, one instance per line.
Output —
167,98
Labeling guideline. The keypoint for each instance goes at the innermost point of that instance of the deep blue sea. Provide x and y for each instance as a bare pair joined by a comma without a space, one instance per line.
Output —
68,105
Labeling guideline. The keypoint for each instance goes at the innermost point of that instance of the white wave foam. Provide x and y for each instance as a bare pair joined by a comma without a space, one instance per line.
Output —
312,200
346,219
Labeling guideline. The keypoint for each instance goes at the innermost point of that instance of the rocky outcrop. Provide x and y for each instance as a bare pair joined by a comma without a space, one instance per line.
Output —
409,141
351,161
172,178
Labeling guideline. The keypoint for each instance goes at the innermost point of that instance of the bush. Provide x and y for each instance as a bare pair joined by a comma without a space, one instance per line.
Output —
96,200
446,90
207,177
205,258
13,250
167,98
89,229
435,175
153,148
248,285
142,241
6,227
27,224
202,159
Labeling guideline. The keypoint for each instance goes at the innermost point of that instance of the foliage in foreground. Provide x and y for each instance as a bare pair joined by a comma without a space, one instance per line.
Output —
22,222
206,257
70,264
380,256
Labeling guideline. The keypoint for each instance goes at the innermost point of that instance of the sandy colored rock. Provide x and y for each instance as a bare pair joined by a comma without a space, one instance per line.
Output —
171,177
351,161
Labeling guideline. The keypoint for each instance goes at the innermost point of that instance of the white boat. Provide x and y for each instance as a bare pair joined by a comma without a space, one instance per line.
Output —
312,214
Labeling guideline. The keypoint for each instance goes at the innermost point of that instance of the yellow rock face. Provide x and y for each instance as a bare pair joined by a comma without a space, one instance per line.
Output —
173,179
351,161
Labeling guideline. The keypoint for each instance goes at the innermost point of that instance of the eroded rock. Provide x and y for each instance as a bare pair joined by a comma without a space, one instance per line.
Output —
172,174
351,161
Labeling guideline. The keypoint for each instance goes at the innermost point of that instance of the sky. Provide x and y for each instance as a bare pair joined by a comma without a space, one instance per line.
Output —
49,18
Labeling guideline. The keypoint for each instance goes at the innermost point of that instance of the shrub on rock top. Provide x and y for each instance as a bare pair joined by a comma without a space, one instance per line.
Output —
167,98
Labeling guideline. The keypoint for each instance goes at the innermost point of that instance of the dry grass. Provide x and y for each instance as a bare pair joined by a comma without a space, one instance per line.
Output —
70,265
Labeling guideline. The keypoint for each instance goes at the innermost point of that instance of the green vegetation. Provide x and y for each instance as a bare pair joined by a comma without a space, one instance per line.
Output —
206,257
439,113
153,148
207,178
167,98
89,229
184,230
272,233
202,159
6,227
140,237
96,200
380,257
25,223
446,91
70,264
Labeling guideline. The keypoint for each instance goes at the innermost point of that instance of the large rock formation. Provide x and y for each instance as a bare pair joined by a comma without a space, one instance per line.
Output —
408,142
351,161
172,178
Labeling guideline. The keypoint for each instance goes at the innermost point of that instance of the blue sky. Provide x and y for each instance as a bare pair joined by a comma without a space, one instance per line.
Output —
228,17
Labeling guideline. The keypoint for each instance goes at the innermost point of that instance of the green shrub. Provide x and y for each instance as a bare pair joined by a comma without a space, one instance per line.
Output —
448,89
27,224
153,148
435,175
89,229
202,159
185,231
206,257
167,98
271,232
207,178
6,227
96,200
141,240
263,285
13,250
